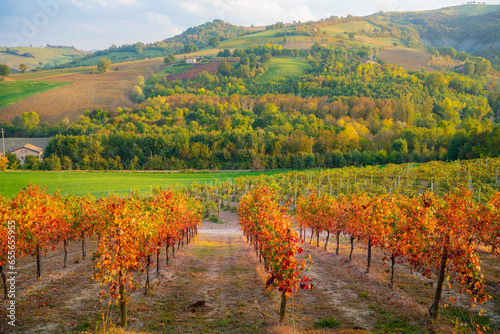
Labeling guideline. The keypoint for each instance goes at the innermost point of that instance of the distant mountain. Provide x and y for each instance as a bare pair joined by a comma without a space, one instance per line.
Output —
470,28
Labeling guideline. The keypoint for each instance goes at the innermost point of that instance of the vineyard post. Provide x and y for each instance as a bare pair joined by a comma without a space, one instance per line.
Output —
338,240
146,286
158,260
65,252
352,248
38,263
83,245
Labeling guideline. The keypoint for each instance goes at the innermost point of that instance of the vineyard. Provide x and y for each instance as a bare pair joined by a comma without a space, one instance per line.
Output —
399,248
193,72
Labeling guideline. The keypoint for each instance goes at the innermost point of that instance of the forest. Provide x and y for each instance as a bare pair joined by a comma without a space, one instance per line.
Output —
340,112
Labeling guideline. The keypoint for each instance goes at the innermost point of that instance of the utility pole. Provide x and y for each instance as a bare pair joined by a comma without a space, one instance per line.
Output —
3,141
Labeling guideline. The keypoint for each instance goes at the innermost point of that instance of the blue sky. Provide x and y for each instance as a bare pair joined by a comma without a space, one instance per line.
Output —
96,24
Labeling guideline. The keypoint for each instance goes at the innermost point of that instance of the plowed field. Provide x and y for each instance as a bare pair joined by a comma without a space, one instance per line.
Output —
86,92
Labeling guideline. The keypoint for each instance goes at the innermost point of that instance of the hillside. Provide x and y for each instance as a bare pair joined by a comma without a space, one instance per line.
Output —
38,57
468,28
192,39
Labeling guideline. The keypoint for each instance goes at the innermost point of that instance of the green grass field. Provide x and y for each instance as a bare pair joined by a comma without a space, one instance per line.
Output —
176,69
99,183
13,91
52,56
117,57
285,68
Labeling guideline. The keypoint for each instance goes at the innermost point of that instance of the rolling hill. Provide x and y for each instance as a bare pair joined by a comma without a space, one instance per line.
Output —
37,56
469,28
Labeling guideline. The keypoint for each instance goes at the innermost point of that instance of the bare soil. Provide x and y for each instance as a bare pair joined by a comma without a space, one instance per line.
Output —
411,60
215,285
106,91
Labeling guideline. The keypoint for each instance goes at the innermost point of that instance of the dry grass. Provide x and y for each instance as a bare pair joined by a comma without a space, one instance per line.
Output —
87,92
411,60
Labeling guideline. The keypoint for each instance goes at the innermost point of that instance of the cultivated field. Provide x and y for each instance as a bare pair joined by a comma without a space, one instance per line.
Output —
411,60
284,68
51,56
13,91
86,92
192,72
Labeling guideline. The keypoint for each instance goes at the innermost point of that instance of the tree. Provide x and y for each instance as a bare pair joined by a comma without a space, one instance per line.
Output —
226,53
169,59
4,70
26,120
12,160
266,57
225,68
103,65
4,163
469,67
188,48
214,41
400,145
23,68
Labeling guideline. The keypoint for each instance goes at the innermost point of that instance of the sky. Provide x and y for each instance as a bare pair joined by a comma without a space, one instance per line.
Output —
97,24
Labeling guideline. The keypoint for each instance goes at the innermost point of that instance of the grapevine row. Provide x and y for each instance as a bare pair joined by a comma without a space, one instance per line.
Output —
130,232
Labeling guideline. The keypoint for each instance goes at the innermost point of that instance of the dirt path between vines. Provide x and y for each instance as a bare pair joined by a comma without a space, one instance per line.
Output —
215,285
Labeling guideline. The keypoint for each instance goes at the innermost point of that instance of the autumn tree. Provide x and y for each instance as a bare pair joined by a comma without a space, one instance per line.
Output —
103,65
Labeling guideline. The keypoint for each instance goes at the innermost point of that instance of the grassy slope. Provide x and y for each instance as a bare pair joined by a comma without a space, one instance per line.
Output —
284,67
345,28
53,56
98,183
13,91
120,57
467,9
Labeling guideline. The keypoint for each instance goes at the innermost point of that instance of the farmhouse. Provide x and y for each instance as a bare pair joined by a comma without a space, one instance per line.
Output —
190,60
26,150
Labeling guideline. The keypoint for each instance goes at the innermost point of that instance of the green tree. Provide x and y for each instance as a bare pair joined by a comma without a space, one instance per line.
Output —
225,68
214,41
483,67
23,68
169,59
31,162
188,48
27,120
400,145
103,65
469,67
53,162
14,163
4,70
266,57
436,79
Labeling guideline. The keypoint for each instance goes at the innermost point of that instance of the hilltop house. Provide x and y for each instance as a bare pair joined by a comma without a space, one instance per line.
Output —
26,150
190,60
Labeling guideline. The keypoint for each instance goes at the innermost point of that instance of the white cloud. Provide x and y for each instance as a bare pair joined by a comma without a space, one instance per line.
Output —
191,7
92,4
